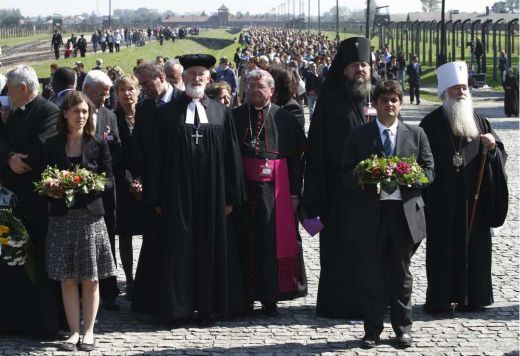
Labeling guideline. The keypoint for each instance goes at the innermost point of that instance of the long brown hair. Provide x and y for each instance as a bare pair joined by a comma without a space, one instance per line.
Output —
70,100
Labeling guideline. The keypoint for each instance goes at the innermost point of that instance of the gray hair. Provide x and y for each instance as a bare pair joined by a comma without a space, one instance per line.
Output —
174,64
95,77
23,74
151,68
259,74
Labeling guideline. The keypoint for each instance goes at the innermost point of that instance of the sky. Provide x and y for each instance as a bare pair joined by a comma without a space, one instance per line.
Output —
68,7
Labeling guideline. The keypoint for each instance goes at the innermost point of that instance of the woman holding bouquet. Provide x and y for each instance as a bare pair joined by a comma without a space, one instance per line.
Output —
78,249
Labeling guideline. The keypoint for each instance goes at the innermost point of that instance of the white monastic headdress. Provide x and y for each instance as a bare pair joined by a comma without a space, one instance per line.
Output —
450,74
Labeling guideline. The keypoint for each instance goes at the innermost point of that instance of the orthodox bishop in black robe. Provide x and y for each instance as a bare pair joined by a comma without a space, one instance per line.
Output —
339,109
458,265
196,174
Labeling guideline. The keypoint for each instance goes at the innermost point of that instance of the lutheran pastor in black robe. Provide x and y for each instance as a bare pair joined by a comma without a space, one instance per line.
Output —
459,271
195,173
281,138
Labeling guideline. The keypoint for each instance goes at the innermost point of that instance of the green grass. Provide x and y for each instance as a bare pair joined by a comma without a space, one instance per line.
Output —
14,41
127,57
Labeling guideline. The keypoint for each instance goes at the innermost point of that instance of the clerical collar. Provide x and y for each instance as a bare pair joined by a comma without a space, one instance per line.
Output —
64,91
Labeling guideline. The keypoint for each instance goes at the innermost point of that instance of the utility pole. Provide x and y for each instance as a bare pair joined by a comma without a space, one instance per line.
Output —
367,25
109,13
309,16
319,18
337,20
441,57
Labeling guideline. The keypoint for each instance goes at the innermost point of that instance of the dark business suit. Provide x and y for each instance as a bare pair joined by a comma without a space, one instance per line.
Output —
414,81
386,230
95,157
106,127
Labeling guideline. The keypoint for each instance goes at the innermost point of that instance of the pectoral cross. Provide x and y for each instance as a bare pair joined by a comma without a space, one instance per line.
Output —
196,136
357,44
460,68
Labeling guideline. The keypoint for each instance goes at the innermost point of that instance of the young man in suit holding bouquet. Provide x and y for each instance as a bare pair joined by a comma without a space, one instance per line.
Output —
388,224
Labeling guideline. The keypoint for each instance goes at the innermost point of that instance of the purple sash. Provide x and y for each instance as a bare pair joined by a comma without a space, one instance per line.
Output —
286,245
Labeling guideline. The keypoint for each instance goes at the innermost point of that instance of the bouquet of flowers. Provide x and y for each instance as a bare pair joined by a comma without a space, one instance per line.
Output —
389,172
58,184
15,245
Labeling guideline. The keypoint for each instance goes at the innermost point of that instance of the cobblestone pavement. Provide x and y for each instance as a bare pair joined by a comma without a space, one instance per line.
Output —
298,330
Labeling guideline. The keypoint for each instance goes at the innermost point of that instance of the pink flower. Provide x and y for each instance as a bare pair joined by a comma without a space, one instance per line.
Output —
402,168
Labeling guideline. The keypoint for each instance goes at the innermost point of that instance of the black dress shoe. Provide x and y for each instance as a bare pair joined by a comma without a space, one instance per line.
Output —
111,304
470,308
88,347
205,321
404,341
428,309
270,309
369,342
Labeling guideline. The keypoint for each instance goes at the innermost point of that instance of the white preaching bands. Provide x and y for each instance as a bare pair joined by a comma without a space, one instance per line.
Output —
190,112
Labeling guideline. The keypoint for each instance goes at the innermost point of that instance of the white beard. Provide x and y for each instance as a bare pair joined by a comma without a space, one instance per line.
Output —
194,91
460,116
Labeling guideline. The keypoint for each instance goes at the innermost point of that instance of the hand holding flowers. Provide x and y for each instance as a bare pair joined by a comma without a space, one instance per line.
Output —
59,184
389,172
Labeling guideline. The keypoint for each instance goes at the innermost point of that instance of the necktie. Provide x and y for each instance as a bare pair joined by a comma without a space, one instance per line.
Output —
387,145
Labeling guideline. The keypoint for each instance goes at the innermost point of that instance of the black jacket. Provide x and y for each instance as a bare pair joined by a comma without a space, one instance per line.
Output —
96,157
363,215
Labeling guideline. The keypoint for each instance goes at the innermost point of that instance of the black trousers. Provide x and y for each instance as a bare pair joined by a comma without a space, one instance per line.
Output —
386,269
414,91
57,51
108,286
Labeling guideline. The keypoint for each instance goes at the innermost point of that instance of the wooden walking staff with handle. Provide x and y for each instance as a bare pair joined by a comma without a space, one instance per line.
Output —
477,190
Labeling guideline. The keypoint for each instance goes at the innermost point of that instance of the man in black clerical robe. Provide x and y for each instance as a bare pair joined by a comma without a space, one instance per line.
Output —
30,307
458,263
272,143
196,174
151,76
340,107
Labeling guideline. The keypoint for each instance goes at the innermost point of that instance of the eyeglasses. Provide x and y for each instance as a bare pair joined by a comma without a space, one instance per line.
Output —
143,84
103,94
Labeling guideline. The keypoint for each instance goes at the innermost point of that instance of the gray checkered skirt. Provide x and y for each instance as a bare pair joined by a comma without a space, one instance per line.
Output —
78,247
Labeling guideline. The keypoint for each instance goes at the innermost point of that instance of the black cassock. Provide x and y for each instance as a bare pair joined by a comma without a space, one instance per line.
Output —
196,170
26,307
280,137
339,291
458,271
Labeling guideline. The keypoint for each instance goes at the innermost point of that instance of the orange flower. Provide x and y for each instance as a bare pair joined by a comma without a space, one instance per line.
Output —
77,179
4,229
4,240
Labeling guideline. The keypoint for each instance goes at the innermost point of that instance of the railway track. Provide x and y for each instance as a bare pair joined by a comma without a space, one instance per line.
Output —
25,53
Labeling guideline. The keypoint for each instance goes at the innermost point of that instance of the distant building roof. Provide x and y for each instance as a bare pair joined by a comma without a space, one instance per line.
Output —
451,16
186,19
223,8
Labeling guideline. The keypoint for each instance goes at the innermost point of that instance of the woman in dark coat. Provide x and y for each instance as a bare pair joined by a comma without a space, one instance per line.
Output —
511,93
128,188
77,247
